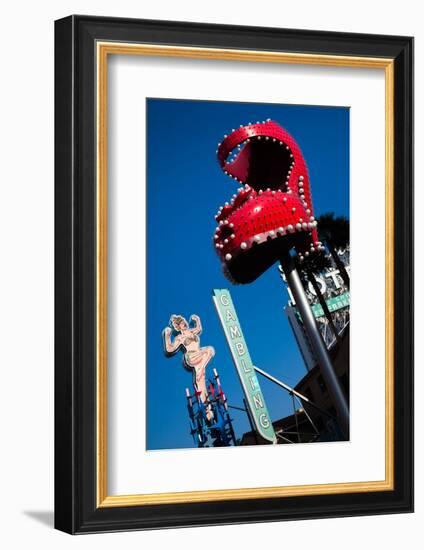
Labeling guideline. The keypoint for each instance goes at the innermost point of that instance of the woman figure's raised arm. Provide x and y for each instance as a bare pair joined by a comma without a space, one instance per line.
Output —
198,325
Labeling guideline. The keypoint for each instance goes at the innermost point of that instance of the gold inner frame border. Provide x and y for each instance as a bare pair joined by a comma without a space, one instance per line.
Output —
103,50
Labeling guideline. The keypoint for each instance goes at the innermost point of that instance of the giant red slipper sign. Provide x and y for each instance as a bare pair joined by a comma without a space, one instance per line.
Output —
272,212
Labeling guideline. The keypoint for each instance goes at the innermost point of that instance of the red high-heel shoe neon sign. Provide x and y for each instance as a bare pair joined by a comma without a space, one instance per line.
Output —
272,212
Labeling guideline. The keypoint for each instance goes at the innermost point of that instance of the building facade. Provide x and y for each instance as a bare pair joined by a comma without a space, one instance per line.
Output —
337,297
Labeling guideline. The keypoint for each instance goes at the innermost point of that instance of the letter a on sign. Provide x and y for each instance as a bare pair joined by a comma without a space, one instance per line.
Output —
241,357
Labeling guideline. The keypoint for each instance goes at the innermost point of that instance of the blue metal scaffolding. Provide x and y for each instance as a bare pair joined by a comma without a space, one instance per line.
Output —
218,431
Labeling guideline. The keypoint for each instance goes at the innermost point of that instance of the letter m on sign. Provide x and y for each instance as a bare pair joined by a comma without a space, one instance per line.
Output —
235,332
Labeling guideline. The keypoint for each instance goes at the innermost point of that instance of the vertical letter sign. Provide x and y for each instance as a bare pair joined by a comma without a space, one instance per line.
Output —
249,381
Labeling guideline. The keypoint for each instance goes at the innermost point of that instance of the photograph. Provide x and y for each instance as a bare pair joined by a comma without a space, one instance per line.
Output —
248,274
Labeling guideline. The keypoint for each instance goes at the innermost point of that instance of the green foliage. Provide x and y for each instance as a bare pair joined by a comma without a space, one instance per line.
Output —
334,230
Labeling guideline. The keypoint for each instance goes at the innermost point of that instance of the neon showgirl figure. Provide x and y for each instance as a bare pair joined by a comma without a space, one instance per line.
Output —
195,358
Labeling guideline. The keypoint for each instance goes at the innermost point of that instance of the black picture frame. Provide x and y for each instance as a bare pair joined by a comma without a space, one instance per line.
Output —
76,509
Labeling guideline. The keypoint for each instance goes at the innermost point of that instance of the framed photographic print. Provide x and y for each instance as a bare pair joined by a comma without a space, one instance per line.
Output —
234,274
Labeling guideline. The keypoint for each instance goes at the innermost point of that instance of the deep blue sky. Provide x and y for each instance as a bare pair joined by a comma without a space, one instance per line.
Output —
185,187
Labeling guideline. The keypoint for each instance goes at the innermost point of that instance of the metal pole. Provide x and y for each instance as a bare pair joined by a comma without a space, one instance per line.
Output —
318,346
292,390
307,416
295,418
284,438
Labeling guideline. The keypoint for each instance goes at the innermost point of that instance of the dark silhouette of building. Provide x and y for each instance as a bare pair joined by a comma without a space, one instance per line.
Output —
298,428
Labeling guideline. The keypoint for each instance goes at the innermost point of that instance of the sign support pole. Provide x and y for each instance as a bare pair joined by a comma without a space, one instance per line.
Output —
318,346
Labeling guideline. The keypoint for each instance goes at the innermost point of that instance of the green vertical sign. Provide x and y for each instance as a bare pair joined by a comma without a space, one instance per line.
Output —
249,381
